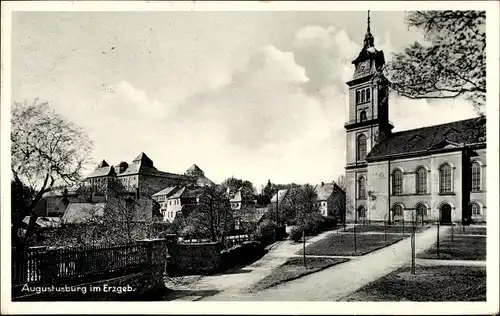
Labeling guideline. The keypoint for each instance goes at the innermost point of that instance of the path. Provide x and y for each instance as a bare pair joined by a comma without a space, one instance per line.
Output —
233,283
338,281
439,262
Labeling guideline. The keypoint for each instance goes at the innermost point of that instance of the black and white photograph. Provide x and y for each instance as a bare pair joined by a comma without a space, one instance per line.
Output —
250,152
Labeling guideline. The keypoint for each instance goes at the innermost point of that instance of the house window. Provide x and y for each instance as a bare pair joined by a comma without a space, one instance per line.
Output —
362,188
421,180
397,210
475,175
361,147
476,209
362,116
397,182
324,203
361,212
421,210
445,178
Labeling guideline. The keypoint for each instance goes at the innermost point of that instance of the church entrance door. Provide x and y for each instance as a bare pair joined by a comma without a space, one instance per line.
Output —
445,214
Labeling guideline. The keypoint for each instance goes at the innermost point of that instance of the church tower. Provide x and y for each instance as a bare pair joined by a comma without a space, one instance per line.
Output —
368,120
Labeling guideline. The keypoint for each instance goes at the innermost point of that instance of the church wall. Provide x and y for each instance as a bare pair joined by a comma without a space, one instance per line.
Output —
480,197
378,185
350,179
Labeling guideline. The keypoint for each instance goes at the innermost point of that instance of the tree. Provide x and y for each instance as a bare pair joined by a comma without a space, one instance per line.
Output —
450,64
303,200
212,216
247,188
341,182
46,150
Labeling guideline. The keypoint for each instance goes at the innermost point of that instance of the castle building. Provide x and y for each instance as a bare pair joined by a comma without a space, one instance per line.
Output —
140,176
433,173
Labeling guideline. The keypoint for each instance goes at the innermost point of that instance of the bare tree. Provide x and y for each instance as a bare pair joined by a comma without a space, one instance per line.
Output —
46,150
212,216
341,182
451,63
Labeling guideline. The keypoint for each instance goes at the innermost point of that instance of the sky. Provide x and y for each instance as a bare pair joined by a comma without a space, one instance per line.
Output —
254,95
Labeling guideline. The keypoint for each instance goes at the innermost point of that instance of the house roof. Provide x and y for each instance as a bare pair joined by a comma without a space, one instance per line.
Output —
186,192
167,191
250,215
324,191
427,139
82,212
281,193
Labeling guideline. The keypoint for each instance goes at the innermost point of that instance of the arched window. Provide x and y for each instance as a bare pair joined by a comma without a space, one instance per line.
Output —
421,210
362,188
362,116
476,209
361,212
358,97
421,180
368,94
397,182
361,147
445,178
397,210
475,176
363,95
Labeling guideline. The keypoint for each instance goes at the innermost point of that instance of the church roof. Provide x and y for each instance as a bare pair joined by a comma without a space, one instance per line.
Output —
428,139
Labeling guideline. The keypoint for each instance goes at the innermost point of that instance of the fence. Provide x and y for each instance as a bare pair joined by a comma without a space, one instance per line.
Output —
73,265
229,242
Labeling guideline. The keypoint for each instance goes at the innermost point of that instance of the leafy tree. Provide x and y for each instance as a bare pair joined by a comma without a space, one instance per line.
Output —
46,149
451,63
247,188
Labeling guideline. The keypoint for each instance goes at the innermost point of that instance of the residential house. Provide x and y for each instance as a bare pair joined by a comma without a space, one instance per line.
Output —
186,195
330,199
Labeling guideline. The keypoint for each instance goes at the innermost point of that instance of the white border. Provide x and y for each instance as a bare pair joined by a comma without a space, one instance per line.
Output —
401,308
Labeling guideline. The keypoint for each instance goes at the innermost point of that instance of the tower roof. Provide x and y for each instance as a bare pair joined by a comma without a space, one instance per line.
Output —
143,159
369,51
194,170
102,164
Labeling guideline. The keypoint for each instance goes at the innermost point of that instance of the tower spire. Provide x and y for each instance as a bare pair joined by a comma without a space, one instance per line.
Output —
368,37
368,28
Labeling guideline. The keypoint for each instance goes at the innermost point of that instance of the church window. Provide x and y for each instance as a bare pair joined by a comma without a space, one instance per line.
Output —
358,96
361,212
361,147
445,178
421,210
397,182
476,209
475,175
421,180
362,188
362,116
368,94
363,96
397,210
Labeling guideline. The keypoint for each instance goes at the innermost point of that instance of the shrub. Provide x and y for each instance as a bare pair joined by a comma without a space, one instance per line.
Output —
266,231
314,223
296,233
329,222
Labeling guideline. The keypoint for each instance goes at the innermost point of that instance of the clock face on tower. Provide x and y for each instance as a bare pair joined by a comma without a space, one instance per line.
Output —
364,66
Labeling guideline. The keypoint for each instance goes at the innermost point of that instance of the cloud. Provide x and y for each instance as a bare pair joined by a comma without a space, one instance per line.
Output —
123,100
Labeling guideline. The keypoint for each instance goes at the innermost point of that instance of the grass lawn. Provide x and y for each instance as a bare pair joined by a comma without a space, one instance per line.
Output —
461,248
293,269
390,228
462,284
469,230
343,244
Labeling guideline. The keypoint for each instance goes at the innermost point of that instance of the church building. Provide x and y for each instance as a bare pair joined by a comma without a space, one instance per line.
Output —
433,173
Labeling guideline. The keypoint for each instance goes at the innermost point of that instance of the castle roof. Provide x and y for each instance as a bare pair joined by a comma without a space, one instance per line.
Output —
103,169
428,139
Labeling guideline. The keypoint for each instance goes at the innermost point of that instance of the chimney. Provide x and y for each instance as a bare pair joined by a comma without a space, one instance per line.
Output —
322,183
